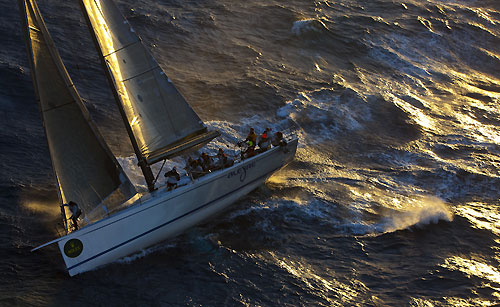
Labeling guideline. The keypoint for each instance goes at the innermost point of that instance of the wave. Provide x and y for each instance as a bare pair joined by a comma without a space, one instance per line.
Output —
326,111
425,211
340,113
430,210
308,26
297,212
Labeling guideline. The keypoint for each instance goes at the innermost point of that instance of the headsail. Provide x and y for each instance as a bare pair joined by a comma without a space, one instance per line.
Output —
162,123
86,170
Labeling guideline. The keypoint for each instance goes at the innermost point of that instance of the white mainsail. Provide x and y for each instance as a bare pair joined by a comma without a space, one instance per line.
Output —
161,121
86,170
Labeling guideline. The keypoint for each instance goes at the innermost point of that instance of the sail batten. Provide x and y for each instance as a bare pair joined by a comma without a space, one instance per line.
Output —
140,74
85,169
115,51
156,113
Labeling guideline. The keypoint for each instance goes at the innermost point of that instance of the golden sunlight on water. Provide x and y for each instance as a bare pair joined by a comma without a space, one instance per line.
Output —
332,291
422,209
484,14
481,132
463,81
279,178
49,209
46,211
317,179
455,301
481,216
418,116
473,267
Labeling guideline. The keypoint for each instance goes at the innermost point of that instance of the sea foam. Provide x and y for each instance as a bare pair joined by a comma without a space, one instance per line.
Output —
428,210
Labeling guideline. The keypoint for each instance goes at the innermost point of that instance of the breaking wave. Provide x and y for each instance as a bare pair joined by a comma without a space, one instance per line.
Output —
430,210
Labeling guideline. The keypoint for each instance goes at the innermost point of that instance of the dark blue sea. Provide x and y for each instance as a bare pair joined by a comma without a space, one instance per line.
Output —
393,196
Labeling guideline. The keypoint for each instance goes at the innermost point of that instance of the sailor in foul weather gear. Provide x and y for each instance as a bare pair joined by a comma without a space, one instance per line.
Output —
248,153
197,170
207,163
251,139
172,178
75,213
265,140
278,139
222,160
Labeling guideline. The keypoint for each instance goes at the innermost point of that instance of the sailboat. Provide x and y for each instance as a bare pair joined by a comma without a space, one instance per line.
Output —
118,220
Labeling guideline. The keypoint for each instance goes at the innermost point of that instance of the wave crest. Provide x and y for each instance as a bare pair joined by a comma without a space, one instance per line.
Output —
307,26
429,210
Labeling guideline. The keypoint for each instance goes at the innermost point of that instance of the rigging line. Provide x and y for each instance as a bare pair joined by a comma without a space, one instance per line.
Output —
164,161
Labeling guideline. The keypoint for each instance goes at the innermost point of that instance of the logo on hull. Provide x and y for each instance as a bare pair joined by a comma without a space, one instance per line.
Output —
242,172
73,248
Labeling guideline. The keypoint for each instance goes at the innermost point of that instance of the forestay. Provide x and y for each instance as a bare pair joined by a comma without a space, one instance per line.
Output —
161,121
85,168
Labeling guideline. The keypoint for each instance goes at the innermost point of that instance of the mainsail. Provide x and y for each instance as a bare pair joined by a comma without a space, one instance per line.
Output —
86,170
160,120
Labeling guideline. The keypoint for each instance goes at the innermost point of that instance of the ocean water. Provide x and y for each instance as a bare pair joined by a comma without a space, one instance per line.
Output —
392,199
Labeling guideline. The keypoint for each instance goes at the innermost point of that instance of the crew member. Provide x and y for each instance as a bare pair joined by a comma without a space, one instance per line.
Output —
251,139
265,140
219,164
196,169
172,178
207,163
227,162
75,213
278,139
248,153
222,160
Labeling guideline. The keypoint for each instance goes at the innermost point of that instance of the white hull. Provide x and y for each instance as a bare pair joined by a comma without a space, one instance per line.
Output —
161,214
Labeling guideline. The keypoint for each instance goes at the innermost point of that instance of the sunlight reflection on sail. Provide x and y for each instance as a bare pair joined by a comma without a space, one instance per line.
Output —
106,41
134,121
